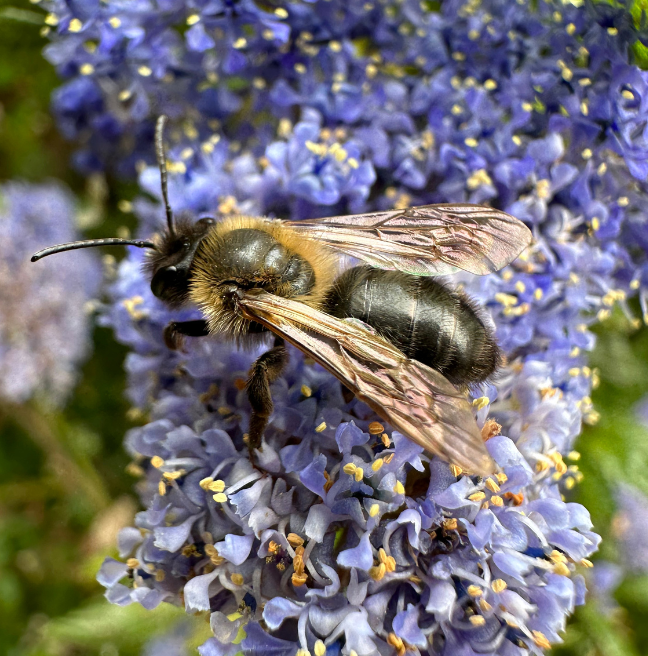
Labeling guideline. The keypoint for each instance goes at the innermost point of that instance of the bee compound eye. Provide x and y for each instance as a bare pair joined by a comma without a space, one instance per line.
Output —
163,280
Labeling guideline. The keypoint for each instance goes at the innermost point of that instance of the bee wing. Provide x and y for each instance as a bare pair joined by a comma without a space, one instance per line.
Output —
415,399
429,240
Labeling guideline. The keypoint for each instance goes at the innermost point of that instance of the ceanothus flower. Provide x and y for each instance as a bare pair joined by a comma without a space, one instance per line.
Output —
346,538
44,318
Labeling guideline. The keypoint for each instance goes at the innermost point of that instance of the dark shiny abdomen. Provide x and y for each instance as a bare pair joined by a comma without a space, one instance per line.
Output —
426,320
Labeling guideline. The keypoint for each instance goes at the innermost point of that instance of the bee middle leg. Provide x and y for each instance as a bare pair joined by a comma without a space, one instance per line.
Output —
175,332
265,370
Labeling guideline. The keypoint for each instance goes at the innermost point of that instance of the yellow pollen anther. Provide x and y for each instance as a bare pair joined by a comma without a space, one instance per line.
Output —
172,476
217,486
241,42
477,496
237,579
86,69
193,19
349,468
358,474
294,540
498,585
162,488
374,510
492,485
299,579
450,524
384,438
306,391
541,640
160,575
481,402
52,20
490,85
478,178
75,25
501,478
477,620
484,605
144,71
377,464
280,12
395,642
475,591
376,428
220,497
319,648
206,482
133,563
321,427
612,31
543,188
587,563
378,572
561,569
132,306
471,142
398,488
507,300
157,462
456,470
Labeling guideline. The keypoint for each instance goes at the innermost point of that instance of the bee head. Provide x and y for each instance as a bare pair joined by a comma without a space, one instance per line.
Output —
171,252
169,265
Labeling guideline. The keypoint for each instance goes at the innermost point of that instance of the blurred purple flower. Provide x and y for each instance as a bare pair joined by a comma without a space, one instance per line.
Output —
44,314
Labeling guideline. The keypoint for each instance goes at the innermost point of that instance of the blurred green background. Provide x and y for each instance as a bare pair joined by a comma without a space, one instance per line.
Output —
64,490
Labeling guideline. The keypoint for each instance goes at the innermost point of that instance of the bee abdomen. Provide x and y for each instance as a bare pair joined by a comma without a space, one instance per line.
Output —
427,321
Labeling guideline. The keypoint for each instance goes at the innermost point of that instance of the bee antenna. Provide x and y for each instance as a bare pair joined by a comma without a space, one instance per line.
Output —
161,160
91,243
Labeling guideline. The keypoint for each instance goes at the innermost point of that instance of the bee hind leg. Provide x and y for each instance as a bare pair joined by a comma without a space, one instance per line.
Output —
175,332
265,370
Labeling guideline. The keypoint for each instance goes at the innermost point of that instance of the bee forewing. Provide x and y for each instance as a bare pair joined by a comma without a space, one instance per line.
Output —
426,240
415,399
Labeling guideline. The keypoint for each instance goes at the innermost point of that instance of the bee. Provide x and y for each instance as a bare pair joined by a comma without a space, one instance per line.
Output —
402,342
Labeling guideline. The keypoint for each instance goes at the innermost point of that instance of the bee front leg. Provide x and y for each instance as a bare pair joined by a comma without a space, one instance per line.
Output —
264,371
175,332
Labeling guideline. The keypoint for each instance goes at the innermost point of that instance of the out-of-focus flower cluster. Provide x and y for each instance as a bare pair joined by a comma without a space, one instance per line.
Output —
347,538
44,319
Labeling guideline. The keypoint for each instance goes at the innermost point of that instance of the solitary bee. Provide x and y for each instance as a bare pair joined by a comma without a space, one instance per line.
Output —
397,338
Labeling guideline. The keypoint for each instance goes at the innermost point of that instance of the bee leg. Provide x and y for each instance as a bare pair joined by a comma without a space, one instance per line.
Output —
175,332
264,371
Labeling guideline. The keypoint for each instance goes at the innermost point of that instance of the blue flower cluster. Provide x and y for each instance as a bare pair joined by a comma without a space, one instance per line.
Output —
347,538
45,316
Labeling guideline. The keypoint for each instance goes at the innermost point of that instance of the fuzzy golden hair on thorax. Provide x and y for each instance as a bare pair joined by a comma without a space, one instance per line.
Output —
209,271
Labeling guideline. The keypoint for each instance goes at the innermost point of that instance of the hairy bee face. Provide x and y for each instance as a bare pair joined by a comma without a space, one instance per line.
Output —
170,264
